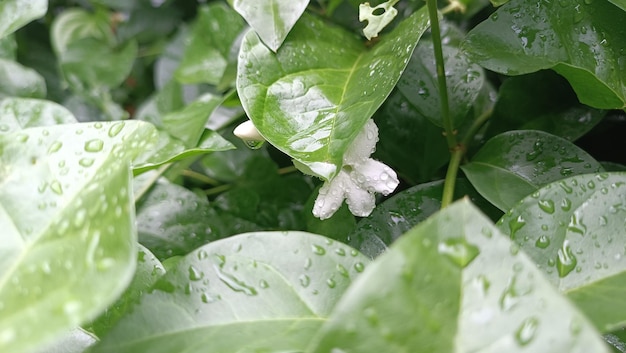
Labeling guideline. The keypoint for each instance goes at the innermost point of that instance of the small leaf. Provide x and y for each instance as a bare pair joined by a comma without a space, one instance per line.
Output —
265,292
581,40
17,13
530,160
376,22
312,108
20,81
574,230
436,290
21,113
207,55
272,20
68,241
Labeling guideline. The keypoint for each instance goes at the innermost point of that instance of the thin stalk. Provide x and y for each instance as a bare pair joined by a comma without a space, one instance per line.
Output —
200,177
456,151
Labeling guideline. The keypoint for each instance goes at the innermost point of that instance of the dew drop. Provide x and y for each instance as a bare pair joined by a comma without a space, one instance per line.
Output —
115,129
304,280
55,146
86,162
195,274
526,332
459,251
234,283
56,187
547,206
359,267
342,271
516,224
95,145
331,283
542,242
340,252
263,284
318,250
565,260
576,225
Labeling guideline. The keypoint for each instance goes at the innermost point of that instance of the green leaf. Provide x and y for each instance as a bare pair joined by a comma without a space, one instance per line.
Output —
76,341
403,211
172,220
574,230
21,113
237,295
208,54
376,22
272,20
541,101
68,243
420,87
436,290
187,124
149,270
515,164
312,108
17,13
19,81
581,40
619,3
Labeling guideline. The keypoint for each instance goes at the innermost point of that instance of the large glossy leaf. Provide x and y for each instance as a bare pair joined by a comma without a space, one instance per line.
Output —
420,87
271,19
312,98
574,230
452,284
581,40
207,55
19,81
76,341
19,113
619,3
257,292
403,211
16,13
69,238
541,101
515,164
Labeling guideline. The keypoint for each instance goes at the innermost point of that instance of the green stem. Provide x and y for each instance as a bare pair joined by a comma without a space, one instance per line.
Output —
450,181
200,177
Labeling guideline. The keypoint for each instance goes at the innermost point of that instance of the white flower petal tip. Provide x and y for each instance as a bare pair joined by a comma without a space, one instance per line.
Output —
248,132
358,180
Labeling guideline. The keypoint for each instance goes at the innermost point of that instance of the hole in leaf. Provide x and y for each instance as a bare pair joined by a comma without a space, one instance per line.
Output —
379,11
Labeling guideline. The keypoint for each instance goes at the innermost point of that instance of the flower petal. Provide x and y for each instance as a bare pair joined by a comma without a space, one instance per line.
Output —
331,195
360,202
363,145
375,176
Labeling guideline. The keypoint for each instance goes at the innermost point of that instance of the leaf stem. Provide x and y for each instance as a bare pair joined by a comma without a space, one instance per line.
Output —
200,177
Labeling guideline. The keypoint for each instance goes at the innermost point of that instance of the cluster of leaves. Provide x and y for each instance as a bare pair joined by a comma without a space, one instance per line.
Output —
133,221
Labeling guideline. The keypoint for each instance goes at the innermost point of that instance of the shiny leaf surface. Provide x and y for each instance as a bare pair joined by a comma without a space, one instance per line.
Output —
435,290
574,230
581,40
19,81
515,164
20,113
312,108
272,20
67,248
17,13
237,295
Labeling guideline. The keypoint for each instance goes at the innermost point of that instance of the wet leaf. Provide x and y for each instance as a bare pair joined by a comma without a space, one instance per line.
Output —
21,113
17,13
581,40
272,20
312,108
574,230
207,55
237,295
403,211
76,341
68,242
619,3
542,101
435,290
420,87
515,164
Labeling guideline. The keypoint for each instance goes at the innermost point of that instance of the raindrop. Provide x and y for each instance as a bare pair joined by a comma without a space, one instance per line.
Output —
55,146
566,204
304,280
208,298
55,186
307,263
331,283
542,242
195,274
318,249
342,271
86,162
547,206
340,252
459,251
565,187
202,254
95,145
234,283
254,144
576,225
359,267
526,332
565,261
263,284
115,129
516,224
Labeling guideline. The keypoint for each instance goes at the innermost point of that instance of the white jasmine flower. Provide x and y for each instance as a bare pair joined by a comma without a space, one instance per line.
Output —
249,134
358,180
